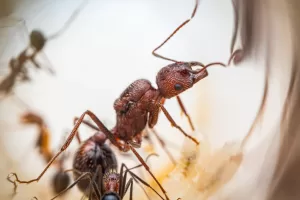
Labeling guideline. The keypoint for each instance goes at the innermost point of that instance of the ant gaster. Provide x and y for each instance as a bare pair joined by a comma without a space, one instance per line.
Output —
141,103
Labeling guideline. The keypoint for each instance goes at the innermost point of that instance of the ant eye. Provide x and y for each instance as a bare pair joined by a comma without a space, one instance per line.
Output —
178,87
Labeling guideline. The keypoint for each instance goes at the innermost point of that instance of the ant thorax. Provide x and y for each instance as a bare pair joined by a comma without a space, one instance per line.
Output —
111,181
132,109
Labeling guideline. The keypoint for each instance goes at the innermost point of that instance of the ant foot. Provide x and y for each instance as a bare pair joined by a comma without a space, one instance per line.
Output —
9,178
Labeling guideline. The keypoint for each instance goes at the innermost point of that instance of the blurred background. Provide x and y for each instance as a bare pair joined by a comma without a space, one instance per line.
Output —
106,47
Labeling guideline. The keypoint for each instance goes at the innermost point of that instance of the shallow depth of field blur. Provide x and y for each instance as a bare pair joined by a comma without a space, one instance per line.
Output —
107,47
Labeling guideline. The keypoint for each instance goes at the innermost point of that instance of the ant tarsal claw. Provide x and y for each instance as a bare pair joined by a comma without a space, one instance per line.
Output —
34,198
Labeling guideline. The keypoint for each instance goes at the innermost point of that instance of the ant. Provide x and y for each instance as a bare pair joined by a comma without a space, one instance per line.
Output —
140,104
105,181
60,179
37,42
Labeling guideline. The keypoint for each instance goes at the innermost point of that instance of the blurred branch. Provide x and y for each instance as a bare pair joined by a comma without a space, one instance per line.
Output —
254,17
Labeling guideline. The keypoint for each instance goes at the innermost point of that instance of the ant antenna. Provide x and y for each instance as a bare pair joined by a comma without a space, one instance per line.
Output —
69,21
174,32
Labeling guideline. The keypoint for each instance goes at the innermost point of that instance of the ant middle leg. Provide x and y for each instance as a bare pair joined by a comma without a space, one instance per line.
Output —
163,145
149,171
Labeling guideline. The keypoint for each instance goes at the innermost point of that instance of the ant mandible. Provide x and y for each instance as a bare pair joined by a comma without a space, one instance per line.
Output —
141,103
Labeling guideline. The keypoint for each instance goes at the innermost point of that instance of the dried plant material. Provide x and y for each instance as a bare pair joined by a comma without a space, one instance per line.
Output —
202,171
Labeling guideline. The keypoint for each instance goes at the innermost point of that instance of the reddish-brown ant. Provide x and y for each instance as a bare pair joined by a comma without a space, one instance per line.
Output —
140,104
37,42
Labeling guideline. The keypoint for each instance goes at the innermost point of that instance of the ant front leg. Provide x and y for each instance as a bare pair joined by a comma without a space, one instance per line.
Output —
183,110
154,116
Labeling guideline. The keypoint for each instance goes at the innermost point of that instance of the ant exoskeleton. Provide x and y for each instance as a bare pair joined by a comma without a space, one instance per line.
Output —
37,41
146,135
106,183
140,104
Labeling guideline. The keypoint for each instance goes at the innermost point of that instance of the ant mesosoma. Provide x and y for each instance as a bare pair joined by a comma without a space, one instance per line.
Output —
141,103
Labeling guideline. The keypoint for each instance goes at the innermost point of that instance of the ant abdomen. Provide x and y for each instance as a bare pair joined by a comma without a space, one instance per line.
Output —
89,157
60,181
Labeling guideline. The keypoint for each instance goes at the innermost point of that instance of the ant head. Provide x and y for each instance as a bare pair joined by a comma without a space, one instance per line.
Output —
177,77
111,196
111,181
31,118
37,40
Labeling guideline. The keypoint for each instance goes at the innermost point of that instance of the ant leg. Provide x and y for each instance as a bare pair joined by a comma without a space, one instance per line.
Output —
89,124
149,171
134,176
85,175
86,123
69,140
15,185
173,123
183,110
122,190
173,33
101,127
163,145
129,184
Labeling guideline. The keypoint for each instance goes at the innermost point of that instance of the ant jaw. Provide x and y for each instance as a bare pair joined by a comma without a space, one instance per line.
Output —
199,75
